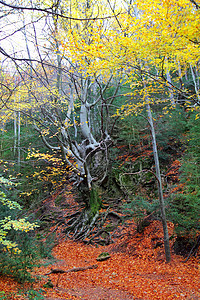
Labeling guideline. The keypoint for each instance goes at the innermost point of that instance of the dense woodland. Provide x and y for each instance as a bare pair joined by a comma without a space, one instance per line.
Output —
99,131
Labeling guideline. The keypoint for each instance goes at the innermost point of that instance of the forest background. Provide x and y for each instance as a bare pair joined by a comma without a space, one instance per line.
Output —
99,99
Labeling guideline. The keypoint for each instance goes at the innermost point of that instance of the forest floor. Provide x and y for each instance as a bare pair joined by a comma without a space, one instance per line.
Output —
136,269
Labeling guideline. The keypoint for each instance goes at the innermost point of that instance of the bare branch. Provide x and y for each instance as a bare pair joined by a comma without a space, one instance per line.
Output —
195,3
53,13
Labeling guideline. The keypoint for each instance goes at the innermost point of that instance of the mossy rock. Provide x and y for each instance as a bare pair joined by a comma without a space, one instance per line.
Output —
103,256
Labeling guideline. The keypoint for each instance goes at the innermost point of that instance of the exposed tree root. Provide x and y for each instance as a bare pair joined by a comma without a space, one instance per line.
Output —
79,223
91,228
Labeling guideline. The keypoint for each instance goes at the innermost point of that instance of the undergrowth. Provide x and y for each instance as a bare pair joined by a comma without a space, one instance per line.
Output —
20,264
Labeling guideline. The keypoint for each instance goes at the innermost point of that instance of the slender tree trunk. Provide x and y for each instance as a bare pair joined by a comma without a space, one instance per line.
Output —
160,190
15,133
171,95
197,77
195,83
18,139
158,175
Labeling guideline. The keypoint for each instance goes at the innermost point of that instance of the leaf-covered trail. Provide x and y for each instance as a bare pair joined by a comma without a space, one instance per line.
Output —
124,275
135,270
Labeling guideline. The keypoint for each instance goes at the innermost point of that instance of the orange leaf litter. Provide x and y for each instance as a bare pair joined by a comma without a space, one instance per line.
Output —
136,267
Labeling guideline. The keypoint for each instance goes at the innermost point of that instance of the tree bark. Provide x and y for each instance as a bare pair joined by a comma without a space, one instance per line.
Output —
195,83
160,190
18,139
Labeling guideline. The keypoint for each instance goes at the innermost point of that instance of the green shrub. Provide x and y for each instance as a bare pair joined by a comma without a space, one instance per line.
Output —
21,264
139,209
20,251
184,206
184,211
